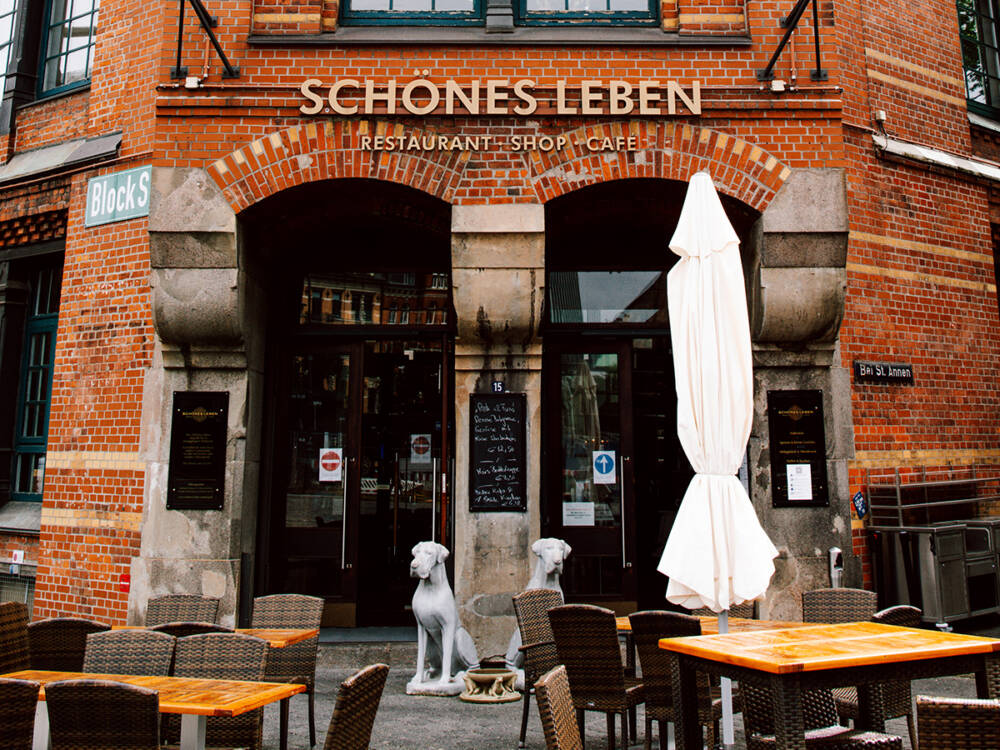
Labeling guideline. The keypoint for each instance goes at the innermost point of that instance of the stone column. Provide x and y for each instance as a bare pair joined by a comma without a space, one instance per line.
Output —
207,312
498,270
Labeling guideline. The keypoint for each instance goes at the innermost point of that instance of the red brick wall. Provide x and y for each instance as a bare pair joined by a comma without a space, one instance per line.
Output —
52,121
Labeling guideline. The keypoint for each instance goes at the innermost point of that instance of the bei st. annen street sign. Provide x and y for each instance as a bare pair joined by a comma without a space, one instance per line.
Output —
118,196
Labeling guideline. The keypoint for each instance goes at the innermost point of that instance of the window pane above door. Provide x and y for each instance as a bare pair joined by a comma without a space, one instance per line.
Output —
375,299
608,297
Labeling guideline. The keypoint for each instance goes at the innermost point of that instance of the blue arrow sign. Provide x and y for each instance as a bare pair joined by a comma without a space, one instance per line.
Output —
604,467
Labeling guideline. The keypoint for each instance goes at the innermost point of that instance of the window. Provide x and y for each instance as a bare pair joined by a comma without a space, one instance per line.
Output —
977,27
35,389
434,12
525,12
68,45
594,11
8,17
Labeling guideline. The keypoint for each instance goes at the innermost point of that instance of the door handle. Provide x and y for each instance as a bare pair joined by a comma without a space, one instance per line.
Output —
343,521
621,495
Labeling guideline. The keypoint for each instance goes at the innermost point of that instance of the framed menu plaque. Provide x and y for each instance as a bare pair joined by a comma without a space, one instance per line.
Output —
197,476
798,449
497,465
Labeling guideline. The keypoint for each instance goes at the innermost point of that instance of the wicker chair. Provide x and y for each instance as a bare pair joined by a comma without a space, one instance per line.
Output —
745,610
129,652
18,699
647,629
555,706
222,656
958,723
819,720
296,663
838,605
13,637
184,629
181,608
537,642
896,697
354,712
587,643
59,643
101,714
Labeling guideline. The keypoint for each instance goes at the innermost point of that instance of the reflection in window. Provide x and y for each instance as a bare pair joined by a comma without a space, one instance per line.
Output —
608,297
69,43
977,27
355,298
8,14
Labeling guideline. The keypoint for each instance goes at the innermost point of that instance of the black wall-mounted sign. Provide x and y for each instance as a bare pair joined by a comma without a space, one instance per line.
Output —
883,372
497,452
798,449
197,476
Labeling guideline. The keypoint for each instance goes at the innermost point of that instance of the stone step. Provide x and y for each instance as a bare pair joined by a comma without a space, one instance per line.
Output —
350,655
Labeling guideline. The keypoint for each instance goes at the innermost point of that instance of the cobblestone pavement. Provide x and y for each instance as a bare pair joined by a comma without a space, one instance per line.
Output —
423,723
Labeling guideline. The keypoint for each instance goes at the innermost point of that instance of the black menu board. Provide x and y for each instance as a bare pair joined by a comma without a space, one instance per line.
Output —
197,474
497,455
798,448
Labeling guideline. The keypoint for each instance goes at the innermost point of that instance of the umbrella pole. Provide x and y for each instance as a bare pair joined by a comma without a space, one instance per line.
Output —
727,692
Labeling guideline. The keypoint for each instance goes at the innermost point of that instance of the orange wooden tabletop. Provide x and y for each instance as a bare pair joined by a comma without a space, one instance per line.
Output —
814,647
183,695
275,637
710,624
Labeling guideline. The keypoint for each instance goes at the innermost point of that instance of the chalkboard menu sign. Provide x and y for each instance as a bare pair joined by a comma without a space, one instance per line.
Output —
497,465
798,449
197,450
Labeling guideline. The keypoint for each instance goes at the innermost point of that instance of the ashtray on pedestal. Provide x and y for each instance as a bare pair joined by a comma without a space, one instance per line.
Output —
490,685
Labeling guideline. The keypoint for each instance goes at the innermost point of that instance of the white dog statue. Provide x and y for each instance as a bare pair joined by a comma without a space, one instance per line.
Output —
551,553
444,648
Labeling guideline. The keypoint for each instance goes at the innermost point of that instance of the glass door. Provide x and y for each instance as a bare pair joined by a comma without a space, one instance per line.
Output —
588,468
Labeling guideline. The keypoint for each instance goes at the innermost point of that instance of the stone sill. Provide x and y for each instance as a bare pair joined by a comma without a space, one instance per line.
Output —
525,35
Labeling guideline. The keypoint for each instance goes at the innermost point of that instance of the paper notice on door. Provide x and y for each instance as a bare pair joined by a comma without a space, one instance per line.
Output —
800,482
578,514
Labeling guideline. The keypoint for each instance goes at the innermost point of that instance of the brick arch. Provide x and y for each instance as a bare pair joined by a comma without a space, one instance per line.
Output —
666,149
329,150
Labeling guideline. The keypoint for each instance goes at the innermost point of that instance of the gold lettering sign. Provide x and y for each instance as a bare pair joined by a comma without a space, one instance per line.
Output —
422,96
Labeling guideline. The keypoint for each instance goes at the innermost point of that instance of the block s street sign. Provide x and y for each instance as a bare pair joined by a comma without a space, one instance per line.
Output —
118,196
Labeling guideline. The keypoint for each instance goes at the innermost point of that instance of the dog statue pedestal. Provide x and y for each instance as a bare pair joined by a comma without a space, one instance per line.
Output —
489,686
444,648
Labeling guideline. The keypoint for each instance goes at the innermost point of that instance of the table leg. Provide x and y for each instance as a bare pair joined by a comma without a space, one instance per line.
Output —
193,731
871,711
688,731
42,740
988,680
283,723
786,704
629,654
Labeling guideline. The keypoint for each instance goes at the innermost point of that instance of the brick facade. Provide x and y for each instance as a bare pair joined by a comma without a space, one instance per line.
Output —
921,278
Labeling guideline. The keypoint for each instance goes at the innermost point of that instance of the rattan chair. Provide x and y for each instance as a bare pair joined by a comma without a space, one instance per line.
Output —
222,656
59,643
647,629
819,720
18,699
745,610
958,723
129,652
897,699
13,637
294,664
354,712
587,643
184,629
181,608
555,706
537,642
838,605
101,714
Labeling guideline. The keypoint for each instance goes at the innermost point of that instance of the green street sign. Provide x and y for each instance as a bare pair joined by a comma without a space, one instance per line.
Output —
118,196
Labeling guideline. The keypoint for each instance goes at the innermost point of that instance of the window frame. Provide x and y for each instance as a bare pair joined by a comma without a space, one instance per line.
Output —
44,58
982,47
474,17
592,18
7,48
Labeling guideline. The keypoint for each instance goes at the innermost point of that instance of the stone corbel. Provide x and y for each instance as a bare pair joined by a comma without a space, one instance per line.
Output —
796,262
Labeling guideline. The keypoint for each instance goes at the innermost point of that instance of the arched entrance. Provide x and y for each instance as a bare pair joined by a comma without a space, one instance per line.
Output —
358,383
614,472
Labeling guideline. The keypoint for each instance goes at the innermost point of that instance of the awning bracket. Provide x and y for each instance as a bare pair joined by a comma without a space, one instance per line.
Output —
208,22
790,23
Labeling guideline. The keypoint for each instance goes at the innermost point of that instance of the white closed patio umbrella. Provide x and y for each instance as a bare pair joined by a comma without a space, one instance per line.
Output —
717,554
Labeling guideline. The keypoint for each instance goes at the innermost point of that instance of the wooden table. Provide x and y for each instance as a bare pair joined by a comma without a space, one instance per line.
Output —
710,624
195,699
791,660
275,637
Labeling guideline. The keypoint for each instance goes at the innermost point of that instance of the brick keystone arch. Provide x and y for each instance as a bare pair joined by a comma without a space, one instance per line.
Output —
666,149
329,150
